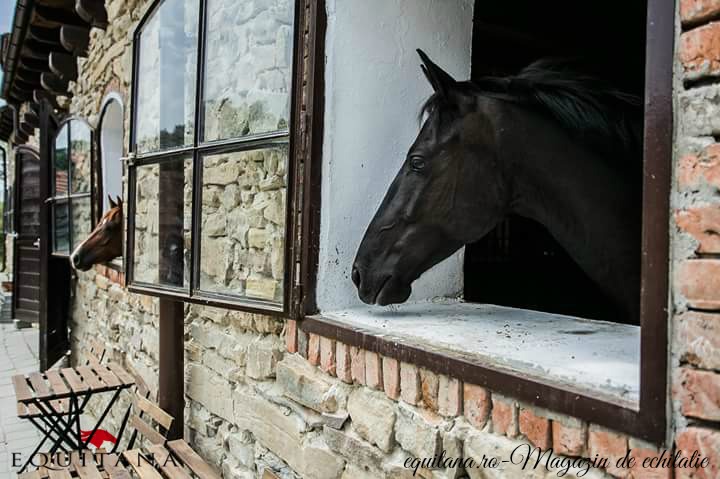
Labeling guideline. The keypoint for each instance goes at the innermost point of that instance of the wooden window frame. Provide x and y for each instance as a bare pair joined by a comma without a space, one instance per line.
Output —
292,136
54,199
649,420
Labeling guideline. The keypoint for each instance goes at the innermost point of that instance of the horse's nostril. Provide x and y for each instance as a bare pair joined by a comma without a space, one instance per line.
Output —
356,276
75,260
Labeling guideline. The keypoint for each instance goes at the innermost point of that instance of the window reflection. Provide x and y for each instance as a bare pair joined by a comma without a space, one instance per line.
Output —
243,223
166,77
248,69
162,223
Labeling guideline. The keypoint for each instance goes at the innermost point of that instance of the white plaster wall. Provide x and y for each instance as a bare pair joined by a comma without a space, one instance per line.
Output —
374,89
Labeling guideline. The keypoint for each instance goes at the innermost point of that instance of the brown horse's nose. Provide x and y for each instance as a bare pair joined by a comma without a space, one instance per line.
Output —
356,276
75,260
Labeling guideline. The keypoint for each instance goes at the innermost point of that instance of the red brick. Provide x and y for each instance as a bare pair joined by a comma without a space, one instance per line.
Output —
698,339
410,389
699,50
707,443
121,279
391,377
698,393
476,404
450,398
357,364
504,416
699,281
536,428
637,471
373,370
429,384
344,368
694,170
291,336
314,349
569,439
703,224
609,445
696,11
327,355
112,274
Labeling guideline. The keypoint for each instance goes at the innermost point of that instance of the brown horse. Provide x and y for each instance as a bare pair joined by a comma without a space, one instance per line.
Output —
104,243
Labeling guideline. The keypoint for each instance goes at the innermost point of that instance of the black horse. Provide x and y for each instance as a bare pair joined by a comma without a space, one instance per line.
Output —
548,144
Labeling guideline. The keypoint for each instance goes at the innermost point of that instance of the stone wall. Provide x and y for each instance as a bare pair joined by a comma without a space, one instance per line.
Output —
261,395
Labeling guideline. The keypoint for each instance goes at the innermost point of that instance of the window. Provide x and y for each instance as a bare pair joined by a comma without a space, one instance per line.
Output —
111,151
541,358
70,201
211,169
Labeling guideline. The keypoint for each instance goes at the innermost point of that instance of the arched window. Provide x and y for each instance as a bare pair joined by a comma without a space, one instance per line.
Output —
70,201
111,150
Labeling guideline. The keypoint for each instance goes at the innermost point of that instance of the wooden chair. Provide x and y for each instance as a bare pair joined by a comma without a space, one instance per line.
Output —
147,420
96,355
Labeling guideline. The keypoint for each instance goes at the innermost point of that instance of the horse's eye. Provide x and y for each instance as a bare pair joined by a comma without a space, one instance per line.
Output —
417,163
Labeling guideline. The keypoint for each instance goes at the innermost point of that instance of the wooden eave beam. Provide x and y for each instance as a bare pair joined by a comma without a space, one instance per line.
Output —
54,84
31,118
58,17
45,35
64,65
93,12
26,128
74,39
28,76
39,95
33,65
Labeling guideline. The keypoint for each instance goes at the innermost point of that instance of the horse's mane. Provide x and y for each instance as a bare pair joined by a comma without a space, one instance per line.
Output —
601,116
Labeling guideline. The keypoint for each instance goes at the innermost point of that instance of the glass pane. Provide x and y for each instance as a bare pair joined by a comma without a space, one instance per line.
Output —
243,223
80,150
60,162
81,220
162,223
248,67
166,77
61,232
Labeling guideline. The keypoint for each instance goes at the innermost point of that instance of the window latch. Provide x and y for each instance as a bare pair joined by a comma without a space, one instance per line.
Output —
129,160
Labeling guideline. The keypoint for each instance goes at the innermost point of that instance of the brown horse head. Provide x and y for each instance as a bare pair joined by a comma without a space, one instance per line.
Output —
104,243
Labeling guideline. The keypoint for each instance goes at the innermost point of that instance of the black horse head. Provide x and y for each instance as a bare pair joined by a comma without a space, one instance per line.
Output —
546,144
431,209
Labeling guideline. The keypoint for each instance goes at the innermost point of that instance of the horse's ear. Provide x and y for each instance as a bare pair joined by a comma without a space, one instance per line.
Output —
440,80
119,202
112,203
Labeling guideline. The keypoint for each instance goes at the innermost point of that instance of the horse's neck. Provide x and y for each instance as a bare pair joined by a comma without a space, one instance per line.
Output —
588,206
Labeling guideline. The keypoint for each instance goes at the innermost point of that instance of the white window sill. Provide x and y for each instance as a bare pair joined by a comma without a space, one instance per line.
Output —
594,358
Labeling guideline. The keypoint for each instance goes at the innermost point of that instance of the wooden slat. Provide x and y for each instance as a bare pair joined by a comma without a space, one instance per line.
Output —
21,409
37,381
74,380
90,378
146,430
121,374
57,384
154,411
112,465
191,459
59,474
29,475
86,469
140,466
169,466
22,390
106,375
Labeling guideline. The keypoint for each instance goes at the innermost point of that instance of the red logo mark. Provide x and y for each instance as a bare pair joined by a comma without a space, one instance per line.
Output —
97,438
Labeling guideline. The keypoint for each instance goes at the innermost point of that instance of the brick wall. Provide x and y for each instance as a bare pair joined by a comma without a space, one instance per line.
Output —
696,323
263,395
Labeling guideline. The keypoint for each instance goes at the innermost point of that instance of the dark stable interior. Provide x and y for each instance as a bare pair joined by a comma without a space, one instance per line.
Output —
519,264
